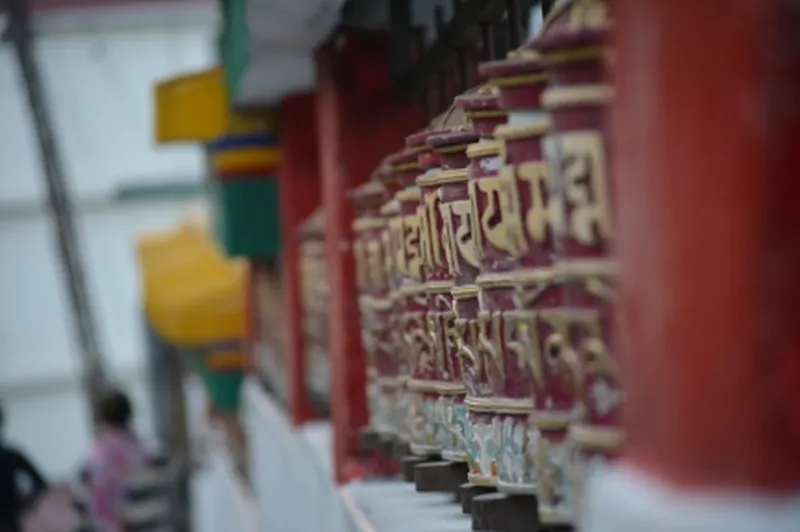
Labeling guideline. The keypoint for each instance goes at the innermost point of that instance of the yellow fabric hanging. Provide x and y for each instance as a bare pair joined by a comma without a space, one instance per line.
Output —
193,295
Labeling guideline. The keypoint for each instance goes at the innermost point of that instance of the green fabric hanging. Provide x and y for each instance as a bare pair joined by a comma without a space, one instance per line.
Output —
234,44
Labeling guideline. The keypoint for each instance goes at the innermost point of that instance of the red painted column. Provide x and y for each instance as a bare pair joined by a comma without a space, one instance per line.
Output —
299,194
707,148
361,120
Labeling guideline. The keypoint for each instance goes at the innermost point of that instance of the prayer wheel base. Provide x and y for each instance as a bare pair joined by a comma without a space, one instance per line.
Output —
441,476
386,445
400,450
408,463
500,512
370,439
468,491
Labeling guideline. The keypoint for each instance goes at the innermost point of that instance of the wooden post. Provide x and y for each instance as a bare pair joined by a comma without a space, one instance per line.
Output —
300,196
707,129
360,120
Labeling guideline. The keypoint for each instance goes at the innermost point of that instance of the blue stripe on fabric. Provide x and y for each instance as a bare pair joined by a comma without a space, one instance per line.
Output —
252,140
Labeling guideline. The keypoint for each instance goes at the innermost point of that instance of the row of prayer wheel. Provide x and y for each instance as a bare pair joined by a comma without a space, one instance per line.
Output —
486,282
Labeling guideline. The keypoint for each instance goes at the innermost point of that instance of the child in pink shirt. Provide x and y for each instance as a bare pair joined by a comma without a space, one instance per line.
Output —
115,454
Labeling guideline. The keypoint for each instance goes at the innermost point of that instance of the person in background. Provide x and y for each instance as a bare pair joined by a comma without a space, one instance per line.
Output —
116,452
21,484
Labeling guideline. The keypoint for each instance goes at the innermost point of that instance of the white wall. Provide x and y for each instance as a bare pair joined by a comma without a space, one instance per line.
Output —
100,85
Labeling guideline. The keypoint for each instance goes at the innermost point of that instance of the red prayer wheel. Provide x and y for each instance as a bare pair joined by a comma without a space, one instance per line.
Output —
573,50
449,412
373,301
481,431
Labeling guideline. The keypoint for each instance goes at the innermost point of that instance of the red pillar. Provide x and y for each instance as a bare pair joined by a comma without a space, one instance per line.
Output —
707,131
361,120
299,197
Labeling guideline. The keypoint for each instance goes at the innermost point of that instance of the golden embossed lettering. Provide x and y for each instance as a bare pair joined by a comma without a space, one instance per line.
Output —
435,339
451,339
448,240
585,187
386,243
425,237
464,241
522,339
375,264
489,330
586,335
539,213
491,217
411,246
510,204
396,228
360,256
432,208
559,357
467,334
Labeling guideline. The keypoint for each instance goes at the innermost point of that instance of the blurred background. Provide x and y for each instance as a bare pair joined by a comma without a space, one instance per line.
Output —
97,63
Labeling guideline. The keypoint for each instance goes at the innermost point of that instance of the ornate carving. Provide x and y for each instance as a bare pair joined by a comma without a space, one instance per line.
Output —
489,334
584,181
492,216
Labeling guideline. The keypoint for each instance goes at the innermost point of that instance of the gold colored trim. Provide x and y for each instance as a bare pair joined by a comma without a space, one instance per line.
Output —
533,276
485,114
547,420
465,292
450,388
594,95
391,383
443,177
370,187
405,167
587,53
495,280
524,53
515,81
438,287
451,149
438,387
419,385
522,131
412,289
498,405
367,224
408,194
607,439
390,207
586,268
374,303
484,148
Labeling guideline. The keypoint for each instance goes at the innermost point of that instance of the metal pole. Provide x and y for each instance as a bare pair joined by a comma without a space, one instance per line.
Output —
58,198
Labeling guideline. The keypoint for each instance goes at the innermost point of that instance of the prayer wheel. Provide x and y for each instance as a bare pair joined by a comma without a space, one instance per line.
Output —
459,244
314,297
573,52
410,338
373,297
531,329
437,378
